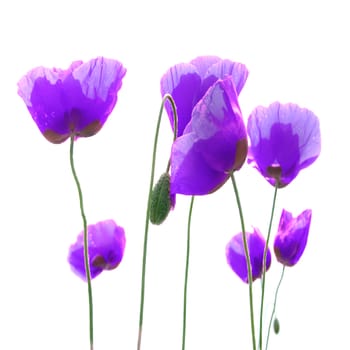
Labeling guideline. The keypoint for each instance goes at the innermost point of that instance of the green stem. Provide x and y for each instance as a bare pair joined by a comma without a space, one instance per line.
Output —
86,252
145,240
186,274
264,265
274,307
249,267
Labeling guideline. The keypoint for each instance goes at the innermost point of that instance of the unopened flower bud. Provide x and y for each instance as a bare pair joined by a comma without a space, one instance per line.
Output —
161,202
276,325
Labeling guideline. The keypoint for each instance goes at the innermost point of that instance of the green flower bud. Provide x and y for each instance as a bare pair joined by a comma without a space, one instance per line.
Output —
276,325
160,200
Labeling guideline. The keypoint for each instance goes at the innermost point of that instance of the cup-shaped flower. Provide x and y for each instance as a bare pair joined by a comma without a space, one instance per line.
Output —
187,83
76,101
213,144
236,257
284,139
291,238
106,243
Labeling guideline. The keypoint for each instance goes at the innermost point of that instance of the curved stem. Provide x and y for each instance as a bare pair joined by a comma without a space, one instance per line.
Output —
274,307
86,251
145,240
263,279
249,267
186,274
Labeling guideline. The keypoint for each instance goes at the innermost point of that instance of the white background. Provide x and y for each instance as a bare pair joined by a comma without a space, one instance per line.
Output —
296,51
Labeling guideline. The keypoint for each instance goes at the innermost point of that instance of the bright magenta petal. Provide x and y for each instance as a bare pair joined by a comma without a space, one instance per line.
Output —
224,68
76,101
291,238
284,139
106,244
213,145
190,172
236,259
189,82
182,82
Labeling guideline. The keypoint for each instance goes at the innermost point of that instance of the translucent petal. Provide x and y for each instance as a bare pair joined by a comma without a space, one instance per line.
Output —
74,101
204,156
235,255
291,238
183,83
106,242
285,137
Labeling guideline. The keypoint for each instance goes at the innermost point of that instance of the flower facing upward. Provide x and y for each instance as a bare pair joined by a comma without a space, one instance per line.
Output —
213,144
236,257
75,101
291,237
187,83
284,139
106,243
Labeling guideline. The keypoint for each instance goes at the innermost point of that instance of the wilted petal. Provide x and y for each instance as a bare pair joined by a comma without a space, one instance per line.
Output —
291,238
236,257
284,140
106,243
76,101
213,145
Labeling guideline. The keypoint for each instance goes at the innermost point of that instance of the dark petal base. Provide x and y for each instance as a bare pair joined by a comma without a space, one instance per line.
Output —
90,130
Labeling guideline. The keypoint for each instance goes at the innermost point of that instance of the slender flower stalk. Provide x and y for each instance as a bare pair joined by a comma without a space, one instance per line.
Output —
86,253
186,274
145,240
68,104
263,279
274,307
249,267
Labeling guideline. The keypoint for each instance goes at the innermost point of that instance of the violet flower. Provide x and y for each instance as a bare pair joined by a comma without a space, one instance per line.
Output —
291,238
187,83
236,257
106,243
213,144
76,101
284,139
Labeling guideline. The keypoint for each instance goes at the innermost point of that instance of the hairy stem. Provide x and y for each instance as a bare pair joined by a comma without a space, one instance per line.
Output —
274,308
263,279
186,274
249,267
86,248
145,240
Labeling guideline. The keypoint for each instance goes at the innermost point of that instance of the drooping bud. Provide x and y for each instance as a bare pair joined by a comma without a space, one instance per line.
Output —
161,201
276,325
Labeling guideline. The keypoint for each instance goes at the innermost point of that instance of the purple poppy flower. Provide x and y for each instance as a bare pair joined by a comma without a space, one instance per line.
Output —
236,257
106,243
213,144
284,139
76,101
291,238
187,83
